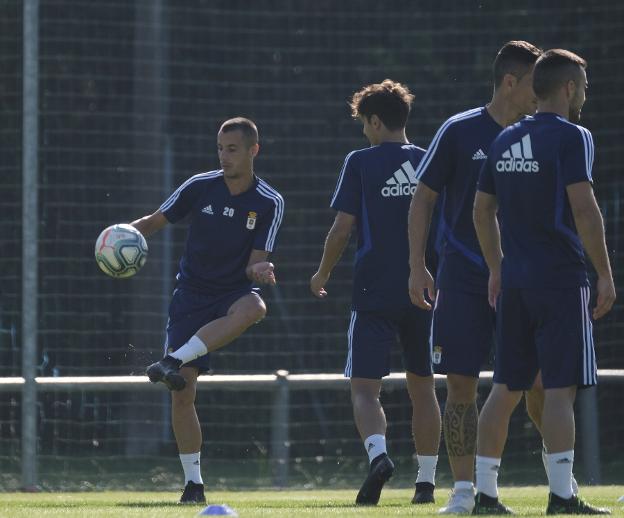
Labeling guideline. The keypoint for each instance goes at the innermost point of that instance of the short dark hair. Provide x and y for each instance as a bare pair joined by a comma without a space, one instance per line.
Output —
514,57
389,100
554,69
246,126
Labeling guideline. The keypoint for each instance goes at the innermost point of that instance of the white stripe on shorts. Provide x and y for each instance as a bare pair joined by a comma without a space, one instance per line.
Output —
349,366
589,354
435,306
166,346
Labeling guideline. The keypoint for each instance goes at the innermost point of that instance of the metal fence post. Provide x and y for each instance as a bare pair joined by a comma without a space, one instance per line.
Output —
30,223
590,433
280,424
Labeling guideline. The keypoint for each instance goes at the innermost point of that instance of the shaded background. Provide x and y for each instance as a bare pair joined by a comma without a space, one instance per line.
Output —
131,97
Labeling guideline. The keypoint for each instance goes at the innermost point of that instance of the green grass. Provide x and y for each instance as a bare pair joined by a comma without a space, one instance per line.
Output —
526,501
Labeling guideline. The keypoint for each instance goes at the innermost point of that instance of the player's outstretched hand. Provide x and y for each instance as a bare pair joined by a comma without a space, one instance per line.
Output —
606,297
420,280
317,285
262,273
494,288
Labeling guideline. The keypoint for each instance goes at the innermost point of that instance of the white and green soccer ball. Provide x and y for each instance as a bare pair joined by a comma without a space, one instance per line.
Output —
120,250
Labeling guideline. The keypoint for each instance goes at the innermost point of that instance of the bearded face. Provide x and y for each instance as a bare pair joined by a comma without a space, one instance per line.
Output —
577,102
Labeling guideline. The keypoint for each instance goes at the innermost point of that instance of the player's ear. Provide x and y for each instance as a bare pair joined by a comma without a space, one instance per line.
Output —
509,80
254,149
375,121
570,89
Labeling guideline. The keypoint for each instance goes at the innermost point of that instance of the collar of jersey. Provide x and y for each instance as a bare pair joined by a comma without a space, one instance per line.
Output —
253,187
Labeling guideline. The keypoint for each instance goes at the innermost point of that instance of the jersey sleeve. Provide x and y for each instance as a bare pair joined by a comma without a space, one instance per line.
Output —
486,177
577,156
348,193
269,224
180,203
437,166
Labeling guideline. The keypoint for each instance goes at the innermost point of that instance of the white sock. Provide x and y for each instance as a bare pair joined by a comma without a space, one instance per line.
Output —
487,475
575,487
560,473
192,349
375,445
191,467
463,484
426,468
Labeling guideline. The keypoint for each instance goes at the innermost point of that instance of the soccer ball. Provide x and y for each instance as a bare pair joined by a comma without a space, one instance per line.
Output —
120,251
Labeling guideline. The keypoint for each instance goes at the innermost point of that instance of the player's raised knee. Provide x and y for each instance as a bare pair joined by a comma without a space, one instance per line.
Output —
259,310
255,309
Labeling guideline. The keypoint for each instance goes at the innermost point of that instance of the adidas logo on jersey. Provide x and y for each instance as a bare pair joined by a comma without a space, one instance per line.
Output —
479,155
518,158
402,182
208,210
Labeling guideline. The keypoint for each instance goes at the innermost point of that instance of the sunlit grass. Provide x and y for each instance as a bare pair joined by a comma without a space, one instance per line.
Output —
526,501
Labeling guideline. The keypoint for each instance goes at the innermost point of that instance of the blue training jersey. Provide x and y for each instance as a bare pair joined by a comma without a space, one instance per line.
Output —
223,230
528,169
376,185
451,168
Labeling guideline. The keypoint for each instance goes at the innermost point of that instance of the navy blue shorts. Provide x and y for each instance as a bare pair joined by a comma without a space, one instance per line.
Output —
189,311
462,333
547,330
372,334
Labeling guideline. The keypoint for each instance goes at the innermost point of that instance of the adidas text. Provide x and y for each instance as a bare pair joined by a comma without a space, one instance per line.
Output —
517,165
398,190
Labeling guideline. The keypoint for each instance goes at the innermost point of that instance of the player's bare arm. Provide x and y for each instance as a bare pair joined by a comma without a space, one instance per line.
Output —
488,233
590,228
260,270
419,221
335,243
151,224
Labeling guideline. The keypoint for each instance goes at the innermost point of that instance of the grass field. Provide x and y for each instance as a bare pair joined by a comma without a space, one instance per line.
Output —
526,501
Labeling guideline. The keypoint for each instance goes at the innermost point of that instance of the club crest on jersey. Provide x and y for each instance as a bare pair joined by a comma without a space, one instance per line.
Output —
436,357
251,220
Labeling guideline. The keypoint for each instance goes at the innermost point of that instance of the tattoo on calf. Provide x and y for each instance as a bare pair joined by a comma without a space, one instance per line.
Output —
460,428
